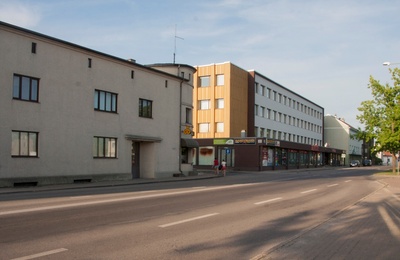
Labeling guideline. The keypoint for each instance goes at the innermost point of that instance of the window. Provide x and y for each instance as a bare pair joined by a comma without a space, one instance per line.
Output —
256,110
262,90
89,62
205,81
204,127
268,93
220,127
24,144
274,95
132,74
262,132
105,101
25,88
104,147
166,83
256,131
219,103
268,113
189,115
145,108
220,80
33,47
204,104
262,111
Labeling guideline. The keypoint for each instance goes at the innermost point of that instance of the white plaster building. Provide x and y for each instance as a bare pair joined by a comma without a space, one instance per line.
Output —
69,113
282,114
338,134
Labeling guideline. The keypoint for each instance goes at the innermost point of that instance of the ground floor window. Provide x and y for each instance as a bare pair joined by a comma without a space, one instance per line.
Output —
292,157
104,147
303,158
268,156
280,157
24,144
206,155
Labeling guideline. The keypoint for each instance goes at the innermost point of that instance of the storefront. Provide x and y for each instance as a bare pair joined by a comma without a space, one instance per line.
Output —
261,154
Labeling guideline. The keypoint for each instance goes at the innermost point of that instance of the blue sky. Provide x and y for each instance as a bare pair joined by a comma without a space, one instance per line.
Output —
325,50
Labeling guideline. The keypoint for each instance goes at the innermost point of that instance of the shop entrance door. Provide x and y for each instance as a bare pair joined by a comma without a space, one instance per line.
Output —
227,154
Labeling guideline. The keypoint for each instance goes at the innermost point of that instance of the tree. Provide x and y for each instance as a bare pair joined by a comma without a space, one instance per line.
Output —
381,115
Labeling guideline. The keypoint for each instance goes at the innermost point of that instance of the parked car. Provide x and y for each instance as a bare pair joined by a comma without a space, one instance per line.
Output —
367,162
355,163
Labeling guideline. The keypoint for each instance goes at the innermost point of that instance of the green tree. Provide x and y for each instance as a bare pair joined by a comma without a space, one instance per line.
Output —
381,115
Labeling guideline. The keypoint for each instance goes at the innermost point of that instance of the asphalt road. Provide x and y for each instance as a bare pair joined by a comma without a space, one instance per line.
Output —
236,217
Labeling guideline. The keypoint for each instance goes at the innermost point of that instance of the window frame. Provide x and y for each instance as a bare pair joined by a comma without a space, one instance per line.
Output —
220,79
219,103
143,103
207,125
203,80
105,105
29,143
106,150
33,94
204,104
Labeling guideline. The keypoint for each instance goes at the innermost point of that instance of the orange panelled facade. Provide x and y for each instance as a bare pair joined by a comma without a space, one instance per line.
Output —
225,101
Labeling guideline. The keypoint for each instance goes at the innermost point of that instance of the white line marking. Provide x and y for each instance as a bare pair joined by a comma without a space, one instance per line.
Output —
188,220
69,205
51,252
266,201
307,191
332,185
348,181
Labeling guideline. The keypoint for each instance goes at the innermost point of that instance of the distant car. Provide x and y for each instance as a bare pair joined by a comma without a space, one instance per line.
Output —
367,162
355,163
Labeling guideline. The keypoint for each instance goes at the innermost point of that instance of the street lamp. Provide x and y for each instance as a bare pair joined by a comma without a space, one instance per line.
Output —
388,63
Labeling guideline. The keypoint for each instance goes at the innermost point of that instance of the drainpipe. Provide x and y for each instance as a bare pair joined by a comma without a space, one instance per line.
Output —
179,125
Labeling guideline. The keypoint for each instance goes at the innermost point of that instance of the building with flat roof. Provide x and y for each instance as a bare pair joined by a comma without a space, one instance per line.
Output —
69,113
235,108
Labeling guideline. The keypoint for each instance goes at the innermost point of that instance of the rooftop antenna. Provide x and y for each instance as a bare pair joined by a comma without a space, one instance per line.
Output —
176,37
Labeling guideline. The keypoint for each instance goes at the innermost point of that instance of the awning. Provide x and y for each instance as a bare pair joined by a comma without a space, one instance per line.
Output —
141,138
189,143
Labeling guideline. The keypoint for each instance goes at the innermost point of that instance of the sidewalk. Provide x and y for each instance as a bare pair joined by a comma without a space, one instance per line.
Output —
370,229
201,175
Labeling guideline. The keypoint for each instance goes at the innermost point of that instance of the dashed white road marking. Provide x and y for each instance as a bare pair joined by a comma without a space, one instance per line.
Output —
267,201
348,181
307,191
51,252
187,220
130,198
332,185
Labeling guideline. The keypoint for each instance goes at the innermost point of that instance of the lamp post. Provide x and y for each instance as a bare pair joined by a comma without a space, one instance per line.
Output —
388,63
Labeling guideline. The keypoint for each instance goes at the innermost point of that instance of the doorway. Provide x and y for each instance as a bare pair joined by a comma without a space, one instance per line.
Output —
227,154
135,160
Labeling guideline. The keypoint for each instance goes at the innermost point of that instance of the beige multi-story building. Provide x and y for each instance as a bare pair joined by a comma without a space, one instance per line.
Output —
69,113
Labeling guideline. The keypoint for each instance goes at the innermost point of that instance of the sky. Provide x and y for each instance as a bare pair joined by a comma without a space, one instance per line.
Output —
324,50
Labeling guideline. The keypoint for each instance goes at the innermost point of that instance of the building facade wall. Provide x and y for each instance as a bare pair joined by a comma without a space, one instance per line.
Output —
284,115
339,134
232,89
64,116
